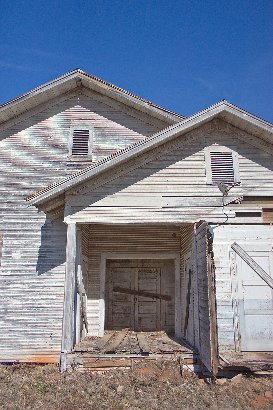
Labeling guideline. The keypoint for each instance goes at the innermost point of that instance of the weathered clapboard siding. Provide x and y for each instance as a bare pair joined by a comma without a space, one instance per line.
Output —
224,236
46,133
169,183
145,239
34,153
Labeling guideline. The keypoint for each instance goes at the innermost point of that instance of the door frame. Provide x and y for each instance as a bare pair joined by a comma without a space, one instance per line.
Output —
114,255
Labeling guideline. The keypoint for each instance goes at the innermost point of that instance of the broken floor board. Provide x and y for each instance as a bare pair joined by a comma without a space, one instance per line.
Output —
104,340
114,341
129,344
169,345
144,346
160,342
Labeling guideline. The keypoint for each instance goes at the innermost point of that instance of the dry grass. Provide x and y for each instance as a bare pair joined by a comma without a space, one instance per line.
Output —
158,387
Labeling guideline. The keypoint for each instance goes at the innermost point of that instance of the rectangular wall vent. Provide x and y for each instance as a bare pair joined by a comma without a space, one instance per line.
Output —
248,214
222,167
80,144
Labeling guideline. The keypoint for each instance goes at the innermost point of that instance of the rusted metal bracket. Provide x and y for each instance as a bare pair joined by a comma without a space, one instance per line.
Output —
253,264
141,293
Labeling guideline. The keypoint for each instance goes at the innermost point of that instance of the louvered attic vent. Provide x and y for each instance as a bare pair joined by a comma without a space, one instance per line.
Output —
222,167
80,145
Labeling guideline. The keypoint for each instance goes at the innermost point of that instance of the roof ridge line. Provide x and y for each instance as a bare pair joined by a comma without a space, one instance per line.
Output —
112,86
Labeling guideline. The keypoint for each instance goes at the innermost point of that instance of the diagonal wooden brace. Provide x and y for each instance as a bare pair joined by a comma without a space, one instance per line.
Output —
141,293
253,264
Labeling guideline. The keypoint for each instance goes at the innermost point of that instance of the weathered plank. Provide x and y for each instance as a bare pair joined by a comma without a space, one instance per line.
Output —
143,344
114,342
95,363
104,340
141,293
69,293
253,264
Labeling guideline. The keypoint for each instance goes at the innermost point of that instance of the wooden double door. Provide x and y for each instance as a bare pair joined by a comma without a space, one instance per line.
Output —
140,294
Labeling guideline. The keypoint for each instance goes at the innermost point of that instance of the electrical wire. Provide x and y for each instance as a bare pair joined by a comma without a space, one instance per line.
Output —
223,209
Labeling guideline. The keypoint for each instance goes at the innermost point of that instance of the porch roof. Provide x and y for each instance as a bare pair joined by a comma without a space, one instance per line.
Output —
223,110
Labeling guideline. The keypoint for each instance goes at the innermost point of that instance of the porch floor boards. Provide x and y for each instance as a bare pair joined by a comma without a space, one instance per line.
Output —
126,349
127,342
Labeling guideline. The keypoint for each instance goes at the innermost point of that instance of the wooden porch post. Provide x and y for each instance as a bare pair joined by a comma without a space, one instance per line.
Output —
68,330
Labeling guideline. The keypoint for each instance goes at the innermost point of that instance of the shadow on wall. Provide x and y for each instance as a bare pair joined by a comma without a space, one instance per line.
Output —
52,251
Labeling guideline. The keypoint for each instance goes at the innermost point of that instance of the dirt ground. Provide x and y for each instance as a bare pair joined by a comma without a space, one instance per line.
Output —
160,386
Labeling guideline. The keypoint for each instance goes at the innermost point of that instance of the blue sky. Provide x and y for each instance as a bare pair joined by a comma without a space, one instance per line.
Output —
183,55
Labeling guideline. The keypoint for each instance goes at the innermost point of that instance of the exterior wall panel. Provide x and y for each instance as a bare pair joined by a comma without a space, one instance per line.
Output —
33,154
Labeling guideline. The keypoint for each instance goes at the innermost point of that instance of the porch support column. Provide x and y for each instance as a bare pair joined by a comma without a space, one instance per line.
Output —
69,314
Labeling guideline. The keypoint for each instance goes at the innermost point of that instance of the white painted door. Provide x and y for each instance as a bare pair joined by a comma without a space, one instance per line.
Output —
130,286
255,301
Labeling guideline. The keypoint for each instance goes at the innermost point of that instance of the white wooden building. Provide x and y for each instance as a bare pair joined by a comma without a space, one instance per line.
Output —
103,193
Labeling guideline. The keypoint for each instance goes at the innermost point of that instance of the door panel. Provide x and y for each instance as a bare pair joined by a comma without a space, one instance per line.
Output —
121,306
147,308
255,303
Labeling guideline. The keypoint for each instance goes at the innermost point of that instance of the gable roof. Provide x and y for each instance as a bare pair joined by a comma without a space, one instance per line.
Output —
224,110
79,79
